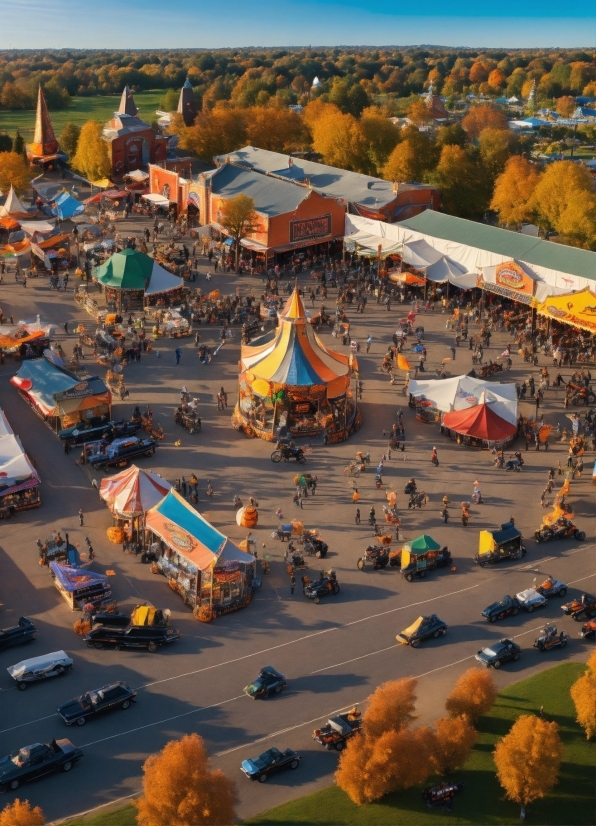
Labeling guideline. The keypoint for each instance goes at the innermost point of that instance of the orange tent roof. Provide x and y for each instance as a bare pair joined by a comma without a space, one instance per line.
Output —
479,422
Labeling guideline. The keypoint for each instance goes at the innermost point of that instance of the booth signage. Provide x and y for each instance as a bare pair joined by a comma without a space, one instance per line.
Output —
310,228
79,391
511,276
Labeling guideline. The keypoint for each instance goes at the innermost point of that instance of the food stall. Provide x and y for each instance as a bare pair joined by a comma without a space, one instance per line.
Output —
211,574
129,495
81,589
19,481
291,383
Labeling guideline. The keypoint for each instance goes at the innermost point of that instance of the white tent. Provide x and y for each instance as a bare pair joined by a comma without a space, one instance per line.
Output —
444,270
12,205
162,281
137,175
42,227
158,200
15,468
419,254
461,392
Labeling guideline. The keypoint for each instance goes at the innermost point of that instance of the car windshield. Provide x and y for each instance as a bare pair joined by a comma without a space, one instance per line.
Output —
253,688
490,652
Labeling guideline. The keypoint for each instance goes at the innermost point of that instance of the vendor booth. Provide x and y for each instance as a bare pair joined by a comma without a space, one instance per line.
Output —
130,275
577,309
291,383
82,590
59,396
129,495
210,573
19,481
479,426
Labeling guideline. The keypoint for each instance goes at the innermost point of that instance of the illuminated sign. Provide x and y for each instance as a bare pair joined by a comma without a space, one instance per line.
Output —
310,228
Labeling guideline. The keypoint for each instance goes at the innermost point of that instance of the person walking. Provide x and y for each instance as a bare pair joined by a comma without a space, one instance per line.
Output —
357,517
178,354
90,551
66,327
81,517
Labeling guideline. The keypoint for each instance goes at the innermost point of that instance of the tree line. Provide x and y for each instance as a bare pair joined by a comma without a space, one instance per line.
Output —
249,77
389,755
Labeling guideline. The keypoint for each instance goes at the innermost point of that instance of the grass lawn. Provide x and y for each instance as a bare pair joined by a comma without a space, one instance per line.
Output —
127,816
81,110
571,802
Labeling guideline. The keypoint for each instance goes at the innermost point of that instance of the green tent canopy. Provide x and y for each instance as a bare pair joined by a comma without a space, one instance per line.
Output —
424,543
126,270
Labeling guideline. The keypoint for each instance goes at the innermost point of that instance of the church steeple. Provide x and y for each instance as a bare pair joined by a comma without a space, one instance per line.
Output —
127,104
44,139
187,105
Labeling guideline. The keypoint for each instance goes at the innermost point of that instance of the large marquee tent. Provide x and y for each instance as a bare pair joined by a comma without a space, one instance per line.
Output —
464,392
133,271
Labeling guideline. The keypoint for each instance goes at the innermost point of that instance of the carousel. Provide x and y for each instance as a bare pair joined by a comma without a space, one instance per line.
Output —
131,277
290,383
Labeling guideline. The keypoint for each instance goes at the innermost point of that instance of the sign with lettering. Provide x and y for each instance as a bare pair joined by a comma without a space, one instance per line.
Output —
309,228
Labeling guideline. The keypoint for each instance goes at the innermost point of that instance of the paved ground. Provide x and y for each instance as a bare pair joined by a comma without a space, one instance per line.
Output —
335,653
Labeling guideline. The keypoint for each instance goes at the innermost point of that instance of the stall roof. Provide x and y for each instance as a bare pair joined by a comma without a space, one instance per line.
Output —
133,491
16,471
480,422
73,579
48,381
162,281
463,392
270,195
157,199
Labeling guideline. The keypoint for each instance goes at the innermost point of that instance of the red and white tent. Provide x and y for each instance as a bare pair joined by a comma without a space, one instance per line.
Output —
480,422
133,491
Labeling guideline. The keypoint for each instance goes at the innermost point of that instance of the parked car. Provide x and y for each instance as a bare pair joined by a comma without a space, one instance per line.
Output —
137,636
96,702
271,761
268,682
498,610
19,634
339,730
581,608
119,452
422,629
552,588
97,428
495,546
550,639
588,629
499,652
34,761
40,668
530,599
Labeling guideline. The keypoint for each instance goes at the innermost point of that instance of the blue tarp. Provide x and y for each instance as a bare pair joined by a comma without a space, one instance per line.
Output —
74,579
65,206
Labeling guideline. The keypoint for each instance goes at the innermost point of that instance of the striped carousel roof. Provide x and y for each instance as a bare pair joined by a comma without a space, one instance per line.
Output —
295,356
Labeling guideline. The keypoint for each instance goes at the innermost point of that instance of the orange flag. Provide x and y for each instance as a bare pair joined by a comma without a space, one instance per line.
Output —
402,362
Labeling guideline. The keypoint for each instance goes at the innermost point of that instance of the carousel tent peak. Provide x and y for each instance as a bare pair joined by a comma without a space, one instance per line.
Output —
44,139
294,306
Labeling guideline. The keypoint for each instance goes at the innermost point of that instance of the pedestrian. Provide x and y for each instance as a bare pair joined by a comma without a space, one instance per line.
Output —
81,517
543,501
357,517
292,583
453,353
90,551
66,327
66,446
279,514
368,343
178,354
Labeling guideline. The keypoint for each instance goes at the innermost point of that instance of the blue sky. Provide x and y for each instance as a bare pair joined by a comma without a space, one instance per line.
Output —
196,23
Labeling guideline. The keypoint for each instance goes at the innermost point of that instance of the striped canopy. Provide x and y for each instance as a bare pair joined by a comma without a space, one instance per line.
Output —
133,491
295,356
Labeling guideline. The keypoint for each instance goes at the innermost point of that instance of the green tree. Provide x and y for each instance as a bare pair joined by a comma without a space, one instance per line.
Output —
91,158
239,219
5,142
169,102
70,138
465,192
451,135
18,144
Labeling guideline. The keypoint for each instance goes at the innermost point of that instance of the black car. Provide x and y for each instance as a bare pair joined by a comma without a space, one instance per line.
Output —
137,636
36,760
119,452
422,629
499,652
268,682
498,610
96,702
271,761
25,631
97,428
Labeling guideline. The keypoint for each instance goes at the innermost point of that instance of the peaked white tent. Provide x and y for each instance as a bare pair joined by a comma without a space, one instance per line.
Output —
420,254
12,205
462,392
445,270
16,471
162,281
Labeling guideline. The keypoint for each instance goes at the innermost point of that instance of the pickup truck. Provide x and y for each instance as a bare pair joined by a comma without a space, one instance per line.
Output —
95,429
338,730
119,453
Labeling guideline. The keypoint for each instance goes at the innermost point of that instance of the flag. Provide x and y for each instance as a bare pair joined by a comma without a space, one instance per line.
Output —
402,362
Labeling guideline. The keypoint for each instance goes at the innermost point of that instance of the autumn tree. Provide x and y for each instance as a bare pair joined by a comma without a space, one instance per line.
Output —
528,760
484,117
415,155
560,186
381,136
583,694
341,141
215,132
20,813
419,113
15,171
316,109
497,80
566,106
239,219
496,147
473,695
465,189
91,158
276,128
514,188
390,707
453,740
70,138
181,789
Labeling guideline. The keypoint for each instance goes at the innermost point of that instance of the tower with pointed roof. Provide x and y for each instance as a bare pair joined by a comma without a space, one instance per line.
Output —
292,384
127,103
132,143
187,105
45,148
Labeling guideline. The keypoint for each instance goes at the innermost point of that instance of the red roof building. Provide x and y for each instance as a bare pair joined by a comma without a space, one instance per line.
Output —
132,143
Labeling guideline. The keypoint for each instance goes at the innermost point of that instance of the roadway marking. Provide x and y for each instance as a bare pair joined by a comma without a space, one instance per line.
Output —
345,662
4,730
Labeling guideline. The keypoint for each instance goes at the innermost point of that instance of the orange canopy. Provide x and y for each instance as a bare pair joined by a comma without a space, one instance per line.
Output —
479,422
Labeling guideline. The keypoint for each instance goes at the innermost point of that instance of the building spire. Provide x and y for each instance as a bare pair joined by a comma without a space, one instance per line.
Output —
187,105
127,103
44,139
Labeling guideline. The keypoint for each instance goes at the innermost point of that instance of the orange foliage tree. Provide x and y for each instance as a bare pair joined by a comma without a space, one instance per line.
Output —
180,788
20,813
15,171
528,760
473,695
453,739
583,694
419,113
390,707
484,117
566,106
276,128
215,132
514,189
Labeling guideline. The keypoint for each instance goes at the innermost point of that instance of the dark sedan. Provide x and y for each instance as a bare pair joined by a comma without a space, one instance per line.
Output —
422,629
36,760
97,428
24,632
268,682
499,652
96,702
137,636
271,761
498,610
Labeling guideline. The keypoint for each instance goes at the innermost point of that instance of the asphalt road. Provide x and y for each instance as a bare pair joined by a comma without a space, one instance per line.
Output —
333,654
